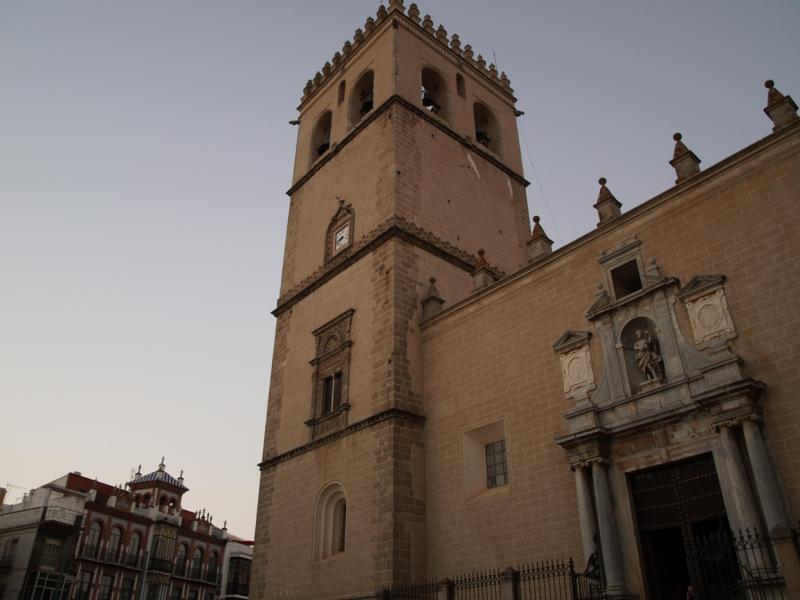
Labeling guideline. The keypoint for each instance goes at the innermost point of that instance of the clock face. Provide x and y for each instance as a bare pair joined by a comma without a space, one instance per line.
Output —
342,237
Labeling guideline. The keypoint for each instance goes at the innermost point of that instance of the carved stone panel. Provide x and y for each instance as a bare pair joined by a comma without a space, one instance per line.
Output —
710,318
576,369
576,364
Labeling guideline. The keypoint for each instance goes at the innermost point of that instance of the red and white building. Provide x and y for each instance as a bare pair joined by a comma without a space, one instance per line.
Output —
135,542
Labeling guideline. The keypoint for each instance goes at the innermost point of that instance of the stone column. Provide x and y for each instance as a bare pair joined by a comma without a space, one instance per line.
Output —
766,485
585,510
742,500
609,540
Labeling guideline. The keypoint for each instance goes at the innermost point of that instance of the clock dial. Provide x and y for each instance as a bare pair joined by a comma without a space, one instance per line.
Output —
342,237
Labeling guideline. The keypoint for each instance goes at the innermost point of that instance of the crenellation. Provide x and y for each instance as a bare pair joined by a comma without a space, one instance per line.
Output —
426,25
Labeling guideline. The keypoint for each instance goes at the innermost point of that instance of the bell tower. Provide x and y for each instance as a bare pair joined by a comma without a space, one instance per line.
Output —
407,164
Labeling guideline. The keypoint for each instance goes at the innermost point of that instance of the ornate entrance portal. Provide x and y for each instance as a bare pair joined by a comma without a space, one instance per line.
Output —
676,505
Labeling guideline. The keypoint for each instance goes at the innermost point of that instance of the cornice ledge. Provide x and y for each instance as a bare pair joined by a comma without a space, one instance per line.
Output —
656,201
374,114
392,227
392,413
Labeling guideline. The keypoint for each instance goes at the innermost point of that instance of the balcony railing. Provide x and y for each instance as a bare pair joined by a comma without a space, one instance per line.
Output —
131,560
161,565
66,516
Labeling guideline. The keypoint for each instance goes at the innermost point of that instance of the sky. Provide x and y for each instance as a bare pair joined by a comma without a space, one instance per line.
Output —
145,153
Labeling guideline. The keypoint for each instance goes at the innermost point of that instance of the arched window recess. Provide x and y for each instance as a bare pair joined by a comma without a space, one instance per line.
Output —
330,522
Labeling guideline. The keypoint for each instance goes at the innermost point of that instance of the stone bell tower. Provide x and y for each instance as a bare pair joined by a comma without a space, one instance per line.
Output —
407,164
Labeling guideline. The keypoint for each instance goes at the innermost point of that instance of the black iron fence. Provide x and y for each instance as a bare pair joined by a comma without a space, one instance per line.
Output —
735,566
553,580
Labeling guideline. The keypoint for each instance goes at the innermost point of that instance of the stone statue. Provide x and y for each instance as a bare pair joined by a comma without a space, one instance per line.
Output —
648,357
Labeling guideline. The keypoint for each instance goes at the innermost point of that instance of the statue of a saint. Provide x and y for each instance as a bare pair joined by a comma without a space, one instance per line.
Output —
648,357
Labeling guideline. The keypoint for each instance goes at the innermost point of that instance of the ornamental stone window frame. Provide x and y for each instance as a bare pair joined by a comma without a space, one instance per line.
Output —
333,350
344,218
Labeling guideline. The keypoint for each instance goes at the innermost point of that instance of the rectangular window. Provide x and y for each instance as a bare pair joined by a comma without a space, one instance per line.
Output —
106,582
84,586
177,592
126,589
332,392
626,279
496,470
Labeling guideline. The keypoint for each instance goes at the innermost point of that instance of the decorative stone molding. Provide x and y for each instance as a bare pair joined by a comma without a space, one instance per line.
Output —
704,298
653,378
391,228
438,36
391,414
576,364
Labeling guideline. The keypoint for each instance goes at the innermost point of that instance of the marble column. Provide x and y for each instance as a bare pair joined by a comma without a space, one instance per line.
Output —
742,499
766,484
609,539
585,510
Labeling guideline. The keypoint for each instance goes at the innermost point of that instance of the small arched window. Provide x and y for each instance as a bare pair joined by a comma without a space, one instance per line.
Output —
197,563
93,538
321,137
134,544
462,91
361,97
146,500
434,92
331,522
114,543
180,560
212,565
487,132
340,94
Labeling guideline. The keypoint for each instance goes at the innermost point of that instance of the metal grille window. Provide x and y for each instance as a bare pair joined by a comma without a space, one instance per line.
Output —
496,468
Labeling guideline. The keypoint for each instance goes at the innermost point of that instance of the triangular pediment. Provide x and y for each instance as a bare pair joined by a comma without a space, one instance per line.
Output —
572,339
701,283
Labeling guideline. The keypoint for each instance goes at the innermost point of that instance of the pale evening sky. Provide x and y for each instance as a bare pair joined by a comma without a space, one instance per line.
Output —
145,152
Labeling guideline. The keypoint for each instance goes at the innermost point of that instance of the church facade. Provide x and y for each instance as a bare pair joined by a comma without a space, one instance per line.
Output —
448,393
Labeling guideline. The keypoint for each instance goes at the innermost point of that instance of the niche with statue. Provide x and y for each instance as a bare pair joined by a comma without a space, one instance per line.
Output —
651,373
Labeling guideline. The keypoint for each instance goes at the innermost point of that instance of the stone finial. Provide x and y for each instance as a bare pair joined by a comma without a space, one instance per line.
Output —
492,71
413,12
347,48
337,59
539,245
455,43
482,276
468,53
780,109
381,14
317,78
441,34
608,207
480,62
684,161
396,6
358,36
326,69
369,25
505,80
432,302
427,24
307,89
